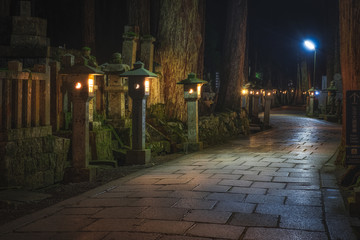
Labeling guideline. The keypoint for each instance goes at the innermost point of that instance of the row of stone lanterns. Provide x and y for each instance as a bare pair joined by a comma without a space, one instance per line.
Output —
80,80
251,96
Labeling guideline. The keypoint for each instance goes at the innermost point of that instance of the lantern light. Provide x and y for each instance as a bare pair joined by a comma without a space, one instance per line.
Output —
91,84
147,86
137,86
78,85
245,92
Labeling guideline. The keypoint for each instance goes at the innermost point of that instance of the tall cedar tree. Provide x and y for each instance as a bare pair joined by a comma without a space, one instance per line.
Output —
349,16
88,24
233,56
179,48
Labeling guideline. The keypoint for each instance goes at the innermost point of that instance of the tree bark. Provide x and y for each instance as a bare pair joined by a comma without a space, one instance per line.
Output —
139,15
88,28
349,16
233,56
179,42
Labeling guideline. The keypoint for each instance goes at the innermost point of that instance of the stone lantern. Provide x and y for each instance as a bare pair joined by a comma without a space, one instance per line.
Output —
80,81
192,93
311,102
331,97
268,95
139,90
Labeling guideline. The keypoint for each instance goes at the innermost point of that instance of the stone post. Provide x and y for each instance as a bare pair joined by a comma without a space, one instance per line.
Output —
268,99
139,89
193,126
311,105
192,94
129,49
147,52
255,106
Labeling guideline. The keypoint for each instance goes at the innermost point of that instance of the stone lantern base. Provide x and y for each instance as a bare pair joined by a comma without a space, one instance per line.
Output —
138,157
193,146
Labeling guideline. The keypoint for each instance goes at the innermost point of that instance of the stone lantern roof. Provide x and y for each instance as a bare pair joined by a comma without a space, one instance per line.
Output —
138,71
192,79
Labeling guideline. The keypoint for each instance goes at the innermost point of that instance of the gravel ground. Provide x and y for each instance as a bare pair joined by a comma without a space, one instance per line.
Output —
10,210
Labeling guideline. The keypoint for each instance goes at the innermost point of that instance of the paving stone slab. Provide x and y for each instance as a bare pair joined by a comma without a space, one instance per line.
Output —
216,231
166,227
282,234
254,220
311,224
207,216
163,213
58,223
233,206
131,236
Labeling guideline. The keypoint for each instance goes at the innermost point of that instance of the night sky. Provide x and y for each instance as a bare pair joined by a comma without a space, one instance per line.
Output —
278,27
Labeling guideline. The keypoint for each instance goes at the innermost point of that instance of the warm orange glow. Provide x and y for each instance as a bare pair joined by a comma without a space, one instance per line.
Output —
292,90
191,91
147,86
257,93
78,85
269,93
251,92
91,83
311,93
244,92
137,86
199,89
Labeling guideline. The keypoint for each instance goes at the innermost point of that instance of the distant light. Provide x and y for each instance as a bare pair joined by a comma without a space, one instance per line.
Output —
317,92
191,90
309,45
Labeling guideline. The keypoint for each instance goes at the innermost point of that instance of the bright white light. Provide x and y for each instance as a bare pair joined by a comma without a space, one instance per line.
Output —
309,45
317,92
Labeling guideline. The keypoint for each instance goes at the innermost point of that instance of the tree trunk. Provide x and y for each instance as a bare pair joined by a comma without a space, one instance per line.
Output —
233,56
88,25
179,42
349,15
139,15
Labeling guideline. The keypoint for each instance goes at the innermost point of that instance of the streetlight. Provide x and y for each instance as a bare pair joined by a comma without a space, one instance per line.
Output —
311,46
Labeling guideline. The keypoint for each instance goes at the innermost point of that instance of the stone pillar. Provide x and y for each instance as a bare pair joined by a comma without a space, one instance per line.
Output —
311,106
25,8
193,143
80,136
267,111
147,52
255,107
138,154
129,49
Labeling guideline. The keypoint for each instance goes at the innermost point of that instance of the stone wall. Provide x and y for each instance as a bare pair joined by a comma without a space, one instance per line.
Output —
30,158
215,129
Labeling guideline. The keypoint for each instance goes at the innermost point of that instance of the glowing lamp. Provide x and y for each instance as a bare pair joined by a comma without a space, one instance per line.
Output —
312,92
309,45
251,92
317,93
139,80
147,86
192,87
91,83
78,85
244,92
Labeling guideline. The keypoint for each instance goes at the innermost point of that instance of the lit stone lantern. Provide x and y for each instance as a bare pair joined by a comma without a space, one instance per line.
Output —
139,90
312,92
268,95
192,93
80,81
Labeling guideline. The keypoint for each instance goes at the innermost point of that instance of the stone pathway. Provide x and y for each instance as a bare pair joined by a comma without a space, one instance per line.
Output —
277,184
